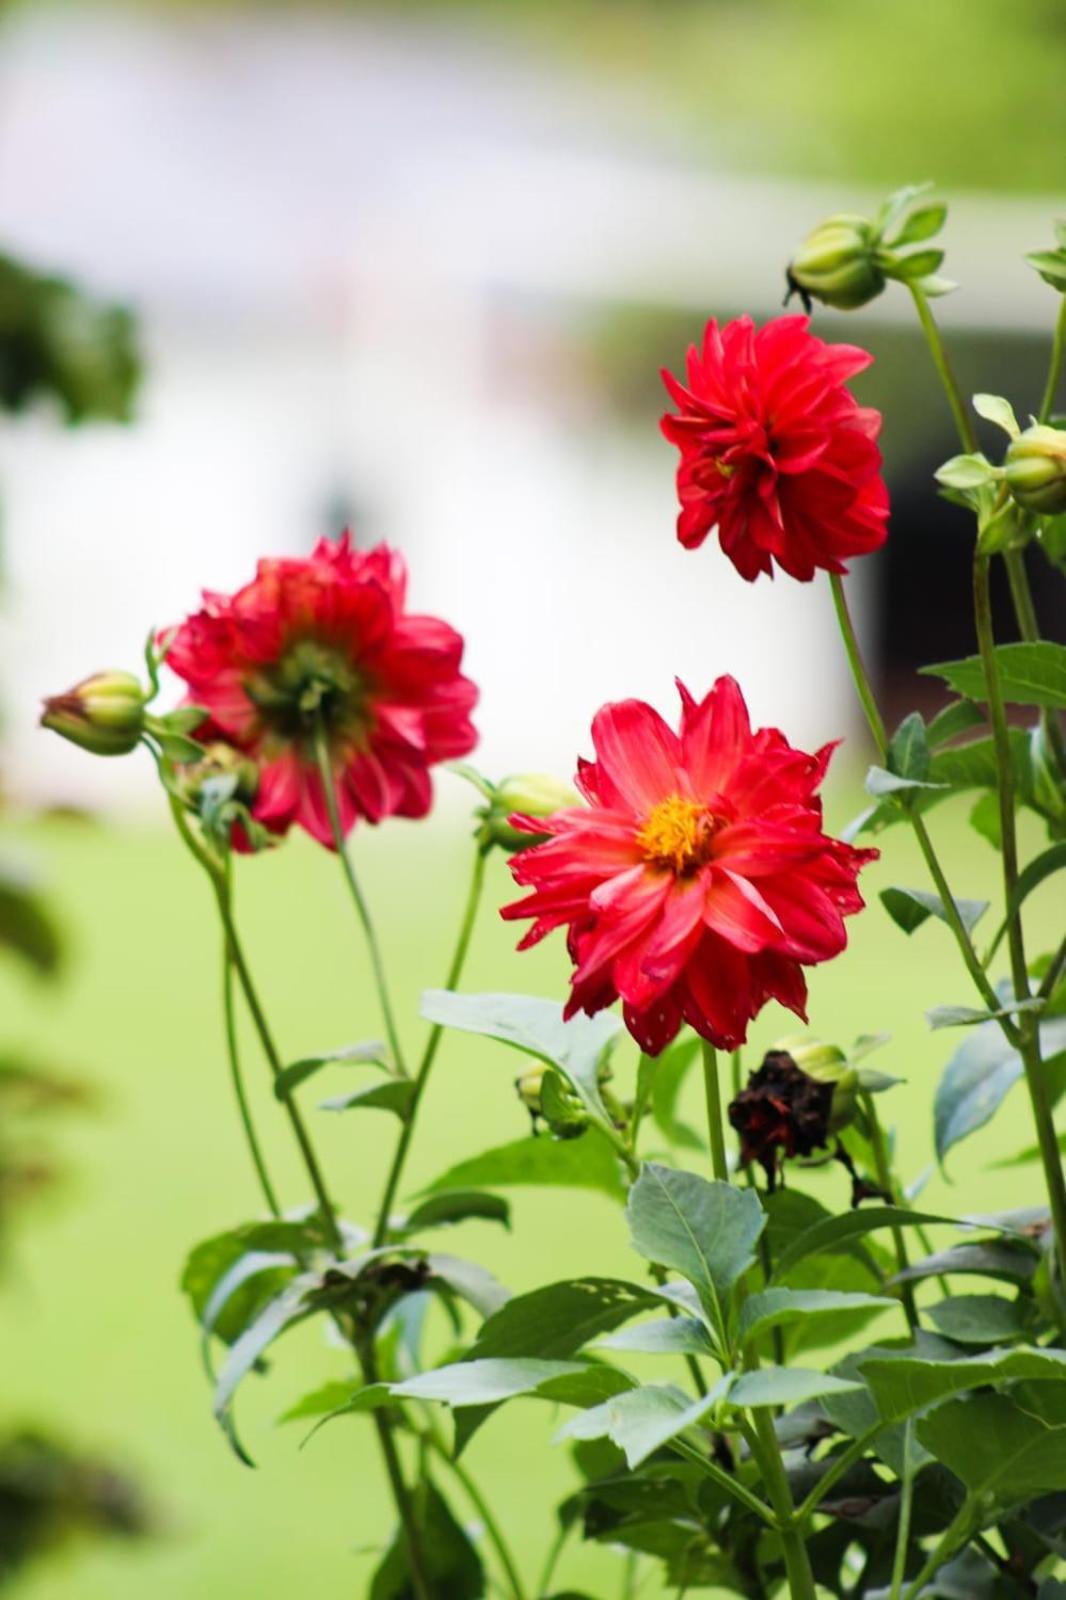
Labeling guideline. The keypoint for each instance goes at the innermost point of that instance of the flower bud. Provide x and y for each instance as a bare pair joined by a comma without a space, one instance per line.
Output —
1036,469
103,714
530,794
221,761
837,264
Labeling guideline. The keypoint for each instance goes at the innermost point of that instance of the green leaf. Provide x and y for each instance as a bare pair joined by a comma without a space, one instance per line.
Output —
978,1077
956,717
372,1051
176,747
1008,1260
454,1566
903,1385
832,1233
668,1072
282,1312
985,819
1048,862
1029,674
639,1422
775,1308
456,1205
1051,265
536,1027
909,908
558,1319
27,925
1005,529
892,209
667,1336
584,1163
231,1276
1001,1453
1029,1154
922,264
923,223
880,783
484,1381
908,752
971,471
995,409
979,1319
470,1281
973,1016
784,1386
395,1095
706,1231
323,1401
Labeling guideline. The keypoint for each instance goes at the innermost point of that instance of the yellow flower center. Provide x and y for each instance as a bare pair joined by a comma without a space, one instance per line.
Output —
678,834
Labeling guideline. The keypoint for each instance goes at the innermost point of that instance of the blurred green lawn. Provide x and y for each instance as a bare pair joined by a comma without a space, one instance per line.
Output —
95,1334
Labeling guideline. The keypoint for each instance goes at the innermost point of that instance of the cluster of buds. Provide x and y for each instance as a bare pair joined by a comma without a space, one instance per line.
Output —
803,1093
847,260
548,1097
528,794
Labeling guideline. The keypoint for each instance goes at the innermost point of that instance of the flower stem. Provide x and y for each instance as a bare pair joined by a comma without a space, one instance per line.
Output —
1028,1042
483,1509
362,909
903,1525
941,362
551,1560
1058,349
953,1536
925,844
715,1133
243,1107
888,1184
466,929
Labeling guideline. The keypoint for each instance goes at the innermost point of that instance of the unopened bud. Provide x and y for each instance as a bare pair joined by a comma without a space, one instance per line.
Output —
529,794
838,264
103,714
1035,469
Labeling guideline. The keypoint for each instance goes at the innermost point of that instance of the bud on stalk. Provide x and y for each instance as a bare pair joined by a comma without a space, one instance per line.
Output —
530,794
103,714
1035,469
837,264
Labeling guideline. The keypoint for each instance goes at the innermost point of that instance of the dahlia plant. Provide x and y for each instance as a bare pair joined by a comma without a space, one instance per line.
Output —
924,1453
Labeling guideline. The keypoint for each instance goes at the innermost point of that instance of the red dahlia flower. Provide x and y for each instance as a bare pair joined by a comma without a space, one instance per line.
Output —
325,641
697,882
775,451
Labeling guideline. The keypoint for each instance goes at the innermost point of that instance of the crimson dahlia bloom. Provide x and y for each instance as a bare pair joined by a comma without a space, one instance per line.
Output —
697,883
327,639
775,451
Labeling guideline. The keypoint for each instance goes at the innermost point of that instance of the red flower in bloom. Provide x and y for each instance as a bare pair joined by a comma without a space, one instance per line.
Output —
697,883
325,641
775,451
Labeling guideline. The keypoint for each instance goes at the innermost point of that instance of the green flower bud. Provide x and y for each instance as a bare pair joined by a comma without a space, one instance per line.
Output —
1036,469
532,795
103,714
528,1085
838,264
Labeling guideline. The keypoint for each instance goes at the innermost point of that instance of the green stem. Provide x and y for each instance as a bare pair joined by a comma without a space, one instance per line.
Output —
629,1576
243,1107
401,1495
551,1560
481,1506
888,1183
963,420
1028,1028
837,1468
466,929
903,1526
715,1132
1058,348
362,909
797,1562
1029,628
953,1536
925,843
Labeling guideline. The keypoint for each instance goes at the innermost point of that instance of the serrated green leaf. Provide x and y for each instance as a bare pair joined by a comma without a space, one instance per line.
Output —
1001,1453
667,1336
955,718
484,1381
785,1386
456,1205
584,1163
1005,1259
978,1077
395,1095
908,752
558,1319
985,1319
903,1385
371,1052
832,1233
639,1422
1029,674
706,1231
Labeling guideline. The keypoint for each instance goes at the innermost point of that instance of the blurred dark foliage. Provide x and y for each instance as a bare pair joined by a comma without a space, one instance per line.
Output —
57,343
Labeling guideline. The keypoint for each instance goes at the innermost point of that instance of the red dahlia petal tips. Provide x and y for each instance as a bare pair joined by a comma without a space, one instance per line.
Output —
776,453
325,640
697,882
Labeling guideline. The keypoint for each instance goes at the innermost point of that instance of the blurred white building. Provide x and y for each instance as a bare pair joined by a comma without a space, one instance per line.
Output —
340,238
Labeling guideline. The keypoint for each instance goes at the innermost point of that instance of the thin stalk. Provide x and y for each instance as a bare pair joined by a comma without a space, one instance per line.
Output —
1058,348
466,929
715,1132
736,1068
797,1562
1054,972
888,1183
362,909
949,382
629,1576
551,1560
243,1107
725,1481
1029,628
925,844
484,1511
950,1540
1028,1029
837,1468
903,1526
401,1494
